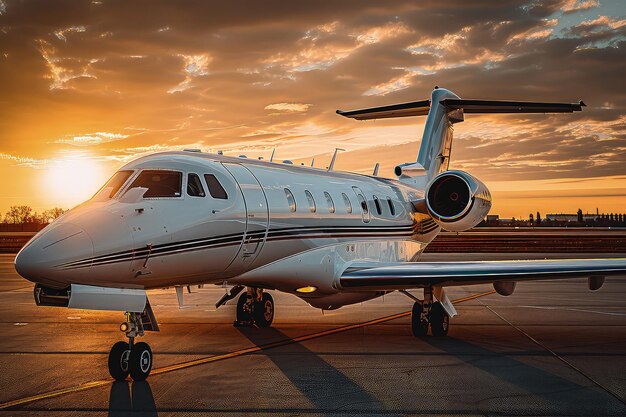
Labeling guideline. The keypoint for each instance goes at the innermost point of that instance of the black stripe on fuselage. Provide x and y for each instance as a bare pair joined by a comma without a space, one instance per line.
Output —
235,239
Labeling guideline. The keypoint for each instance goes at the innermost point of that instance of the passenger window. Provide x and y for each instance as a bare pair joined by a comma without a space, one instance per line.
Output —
331,204
309,197
346,200
392,207
290,200
215,188
115,183
379,209
159,183
194,186
363,204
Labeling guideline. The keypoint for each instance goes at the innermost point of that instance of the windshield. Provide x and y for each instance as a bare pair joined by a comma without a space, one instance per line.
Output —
159,183
113,185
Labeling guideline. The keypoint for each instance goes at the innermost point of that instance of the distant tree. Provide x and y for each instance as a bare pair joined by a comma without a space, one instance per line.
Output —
611,217
538,218
18,214
531,218
49,215
580,216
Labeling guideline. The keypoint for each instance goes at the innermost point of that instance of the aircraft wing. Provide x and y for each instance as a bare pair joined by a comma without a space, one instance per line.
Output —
395,276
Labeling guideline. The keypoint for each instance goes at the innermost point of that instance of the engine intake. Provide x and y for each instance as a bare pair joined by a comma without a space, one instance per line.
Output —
457,201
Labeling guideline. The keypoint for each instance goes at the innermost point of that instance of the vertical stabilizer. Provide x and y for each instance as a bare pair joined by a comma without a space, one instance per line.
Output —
434,153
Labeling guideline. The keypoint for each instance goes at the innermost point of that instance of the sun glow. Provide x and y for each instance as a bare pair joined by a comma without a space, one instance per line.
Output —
71,181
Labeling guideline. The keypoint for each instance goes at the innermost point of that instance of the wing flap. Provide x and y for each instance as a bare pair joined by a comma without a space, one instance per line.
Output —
394,276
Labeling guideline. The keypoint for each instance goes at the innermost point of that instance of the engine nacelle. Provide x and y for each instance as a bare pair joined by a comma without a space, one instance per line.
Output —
409,170
457,201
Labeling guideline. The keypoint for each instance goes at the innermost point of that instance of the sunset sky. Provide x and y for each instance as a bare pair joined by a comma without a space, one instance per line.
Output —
86,86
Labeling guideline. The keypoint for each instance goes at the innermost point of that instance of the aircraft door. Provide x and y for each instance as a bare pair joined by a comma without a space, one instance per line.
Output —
365,212
257,215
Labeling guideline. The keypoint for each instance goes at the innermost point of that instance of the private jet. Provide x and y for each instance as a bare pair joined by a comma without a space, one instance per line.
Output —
182,218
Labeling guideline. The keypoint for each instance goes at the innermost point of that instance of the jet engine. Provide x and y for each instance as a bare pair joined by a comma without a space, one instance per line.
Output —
457,201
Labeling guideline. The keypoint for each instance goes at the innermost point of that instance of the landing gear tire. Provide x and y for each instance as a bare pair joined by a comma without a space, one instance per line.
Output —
243,316
263,311
118,361
140,361
439,320
418,326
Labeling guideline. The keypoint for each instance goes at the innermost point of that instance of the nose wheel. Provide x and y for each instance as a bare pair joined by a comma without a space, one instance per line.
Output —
134,359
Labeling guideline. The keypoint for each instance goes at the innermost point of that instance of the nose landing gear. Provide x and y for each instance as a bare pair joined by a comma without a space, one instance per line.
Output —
134,359
255,307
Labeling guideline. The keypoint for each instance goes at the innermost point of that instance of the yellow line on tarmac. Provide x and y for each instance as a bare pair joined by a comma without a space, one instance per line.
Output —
230,355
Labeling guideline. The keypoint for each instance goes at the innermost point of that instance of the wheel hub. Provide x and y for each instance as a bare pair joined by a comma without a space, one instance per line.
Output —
144,361
124,360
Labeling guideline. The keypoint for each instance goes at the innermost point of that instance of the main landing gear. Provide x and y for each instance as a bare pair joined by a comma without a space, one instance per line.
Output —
254,307
431,314
134,359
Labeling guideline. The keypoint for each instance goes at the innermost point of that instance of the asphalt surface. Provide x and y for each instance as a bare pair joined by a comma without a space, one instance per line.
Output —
552,348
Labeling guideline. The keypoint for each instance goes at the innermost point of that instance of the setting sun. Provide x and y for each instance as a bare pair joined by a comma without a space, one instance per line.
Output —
73,180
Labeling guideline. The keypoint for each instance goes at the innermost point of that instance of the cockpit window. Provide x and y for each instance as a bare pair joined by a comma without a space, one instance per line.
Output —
114,184
215,188
159,183
194,186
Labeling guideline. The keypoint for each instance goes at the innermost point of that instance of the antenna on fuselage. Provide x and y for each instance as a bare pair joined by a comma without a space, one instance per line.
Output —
312,162
375,173
332,161
272,157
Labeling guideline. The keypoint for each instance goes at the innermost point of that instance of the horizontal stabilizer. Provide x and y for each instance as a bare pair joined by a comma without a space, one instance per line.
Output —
414,108
421,108
495,106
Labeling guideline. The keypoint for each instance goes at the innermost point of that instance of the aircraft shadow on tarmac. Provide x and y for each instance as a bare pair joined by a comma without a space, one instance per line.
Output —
560,395
326,388
135,398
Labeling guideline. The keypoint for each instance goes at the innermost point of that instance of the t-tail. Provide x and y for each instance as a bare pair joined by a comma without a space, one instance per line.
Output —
456,200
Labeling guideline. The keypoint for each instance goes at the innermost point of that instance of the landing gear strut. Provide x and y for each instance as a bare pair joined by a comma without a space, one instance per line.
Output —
134,359
431,314
254,307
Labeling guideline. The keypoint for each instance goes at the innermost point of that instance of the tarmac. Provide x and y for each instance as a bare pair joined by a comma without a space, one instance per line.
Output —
552,348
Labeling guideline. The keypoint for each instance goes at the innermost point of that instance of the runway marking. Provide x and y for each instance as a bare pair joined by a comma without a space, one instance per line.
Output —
577,310
230,355
557,356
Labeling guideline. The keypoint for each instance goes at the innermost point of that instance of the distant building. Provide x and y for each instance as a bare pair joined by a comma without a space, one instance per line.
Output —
492,218
562,217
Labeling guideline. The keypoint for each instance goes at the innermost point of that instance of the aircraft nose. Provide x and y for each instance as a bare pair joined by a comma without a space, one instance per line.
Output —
48,257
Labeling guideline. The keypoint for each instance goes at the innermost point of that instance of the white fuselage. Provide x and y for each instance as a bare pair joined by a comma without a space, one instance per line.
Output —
256,236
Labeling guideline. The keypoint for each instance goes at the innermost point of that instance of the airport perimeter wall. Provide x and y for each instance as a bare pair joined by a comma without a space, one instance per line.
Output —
484,239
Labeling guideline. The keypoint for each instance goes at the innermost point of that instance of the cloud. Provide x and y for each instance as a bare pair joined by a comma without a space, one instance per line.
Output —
61,33
64,70
571,6
325,45
25,161
92,139
194,66
288,107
